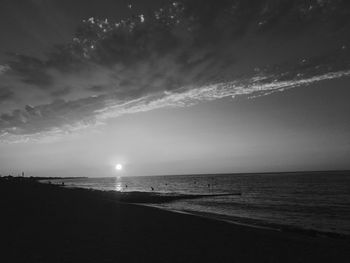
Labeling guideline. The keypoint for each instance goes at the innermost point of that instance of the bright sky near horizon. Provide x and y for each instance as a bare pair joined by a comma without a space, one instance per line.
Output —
163,91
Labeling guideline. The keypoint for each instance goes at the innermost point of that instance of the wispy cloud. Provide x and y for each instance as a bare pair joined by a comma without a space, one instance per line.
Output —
31,125
182,54
211,92
4,68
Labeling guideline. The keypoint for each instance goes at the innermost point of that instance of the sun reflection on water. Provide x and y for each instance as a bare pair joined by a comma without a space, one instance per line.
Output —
118,185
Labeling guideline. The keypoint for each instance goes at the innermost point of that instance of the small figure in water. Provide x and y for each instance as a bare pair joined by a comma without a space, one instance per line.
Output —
208,185
152,188
126,186
62,183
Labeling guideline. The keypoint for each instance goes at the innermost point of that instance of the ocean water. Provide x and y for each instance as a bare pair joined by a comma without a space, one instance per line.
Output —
307,200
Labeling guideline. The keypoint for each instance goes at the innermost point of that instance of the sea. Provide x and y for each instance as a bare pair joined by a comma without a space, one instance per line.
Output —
306,201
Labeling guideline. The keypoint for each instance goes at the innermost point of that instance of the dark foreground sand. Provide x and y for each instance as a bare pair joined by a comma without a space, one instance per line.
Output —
45,223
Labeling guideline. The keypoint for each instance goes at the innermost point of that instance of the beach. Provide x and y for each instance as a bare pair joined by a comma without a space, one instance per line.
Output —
49,223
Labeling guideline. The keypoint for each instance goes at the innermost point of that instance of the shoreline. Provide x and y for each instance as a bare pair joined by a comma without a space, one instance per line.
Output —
46,223
259,224
155,199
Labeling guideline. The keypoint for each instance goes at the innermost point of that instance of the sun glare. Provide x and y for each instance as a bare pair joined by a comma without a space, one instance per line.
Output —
119,167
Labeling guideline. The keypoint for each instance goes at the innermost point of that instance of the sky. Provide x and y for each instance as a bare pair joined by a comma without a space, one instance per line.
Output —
173,87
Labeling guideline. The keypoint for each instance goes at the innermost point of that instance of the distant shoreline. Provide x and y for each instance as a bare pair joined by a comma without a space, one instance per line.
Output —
195,174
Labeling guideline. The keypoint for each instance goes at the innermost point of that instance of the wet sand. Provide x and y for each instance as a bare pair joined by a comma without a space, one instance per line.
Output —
47,223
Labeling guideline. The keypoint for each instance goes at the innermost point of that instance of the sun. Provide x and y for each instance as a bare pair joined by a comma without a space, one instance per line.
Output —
119,167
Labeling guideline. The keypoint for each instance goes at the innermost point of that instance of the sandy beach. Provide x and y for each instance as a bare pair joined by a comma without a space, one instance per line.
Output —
48,223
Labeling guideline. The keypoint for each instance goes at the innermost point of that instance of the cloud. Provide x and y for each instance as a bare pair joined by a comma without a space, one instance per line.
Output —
4,68
179,55
192,96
